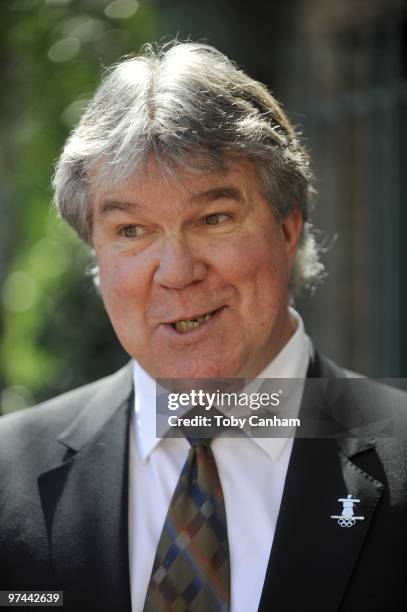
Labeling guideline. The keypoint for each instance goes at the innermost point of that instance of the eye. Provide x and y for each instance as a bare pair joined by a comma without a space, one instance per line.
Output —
131,231
216,218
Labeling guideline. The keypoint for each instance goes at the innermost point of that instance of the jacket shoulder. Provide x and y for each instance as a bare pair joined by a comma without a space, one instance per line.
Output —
378,391
37,427
368,408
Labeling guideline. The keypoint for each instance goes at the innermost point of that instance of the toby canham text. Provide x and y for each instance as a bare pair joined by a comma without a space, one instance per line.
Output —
219,420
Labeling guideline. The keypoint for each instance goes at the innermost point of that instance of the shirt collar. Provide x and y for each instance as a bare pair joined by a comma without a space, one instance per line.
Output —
291,362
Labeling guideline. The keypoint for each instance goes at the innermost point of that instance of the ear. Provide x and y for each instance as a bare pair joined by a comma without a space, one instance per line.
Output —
291,227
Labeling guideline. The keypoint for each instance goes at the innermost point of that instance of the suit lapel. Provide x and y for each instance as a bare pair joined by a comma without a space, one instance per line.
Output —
312,557
85,503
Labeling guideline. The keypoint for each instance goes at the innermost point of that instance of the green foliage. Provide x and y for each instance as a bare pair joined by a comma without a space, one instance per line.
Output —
55,334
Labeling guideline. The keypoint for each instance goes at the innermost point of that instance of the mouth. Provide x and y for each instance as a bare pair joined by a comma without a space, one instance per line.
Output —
184,326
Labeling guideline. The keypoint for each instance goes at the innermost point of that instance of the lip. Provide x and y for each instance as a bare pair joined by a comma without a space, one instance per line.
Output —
195,335
189,317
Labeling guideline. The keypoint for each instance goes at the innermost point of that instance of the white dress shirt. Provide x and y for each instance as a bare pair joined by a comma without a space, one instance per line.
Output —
252,473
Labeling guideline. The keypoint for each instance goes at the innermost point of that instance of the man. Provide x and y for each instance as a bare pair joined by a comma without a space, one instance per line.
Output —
188,181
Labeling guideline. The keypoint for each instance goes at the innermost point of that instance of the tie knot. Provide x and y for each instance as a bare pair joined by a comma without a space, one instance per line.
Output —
199,441
198,433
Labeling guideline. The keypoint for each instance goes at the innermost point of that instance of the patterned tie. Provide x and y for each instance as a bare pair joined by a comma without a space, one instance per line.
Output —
191,571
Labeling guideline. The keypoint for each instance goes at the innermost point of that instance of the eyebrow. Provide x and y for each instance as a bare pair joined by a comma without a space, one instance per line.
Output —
218,193
107,206
211,195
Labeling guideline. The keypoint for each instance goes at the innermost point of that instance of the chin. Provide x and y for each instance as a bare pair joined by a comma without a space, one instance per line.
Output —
205,369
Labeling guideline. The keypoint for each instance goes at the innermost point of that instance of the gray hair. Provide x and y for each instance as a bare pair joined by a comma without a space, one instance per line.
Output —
187,105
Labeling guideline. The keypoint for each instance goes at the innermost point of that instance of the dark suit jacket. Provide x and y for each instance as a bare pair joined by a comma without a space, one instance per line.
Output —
64,499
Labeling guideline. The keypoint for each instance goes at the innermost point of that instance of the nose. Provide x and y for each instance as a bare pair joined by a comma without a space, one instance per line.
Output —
179,266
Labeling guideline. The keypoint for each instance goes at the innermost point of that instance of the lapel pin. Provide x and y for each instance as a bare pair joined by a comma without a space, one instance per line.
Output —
347,518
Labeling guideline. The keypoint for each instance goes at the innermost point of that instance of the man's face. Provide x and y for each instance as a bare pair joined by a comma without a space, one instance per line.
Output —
194,271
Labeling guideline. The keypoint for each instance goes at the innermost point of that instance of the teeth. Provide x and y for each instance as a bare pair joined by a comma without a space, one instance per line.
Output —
184,326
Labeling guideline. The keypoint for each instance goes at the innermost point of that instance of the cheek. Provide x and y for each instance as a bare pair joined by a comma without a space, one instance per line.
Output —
121,285
261,275
239,258
255,262
112,281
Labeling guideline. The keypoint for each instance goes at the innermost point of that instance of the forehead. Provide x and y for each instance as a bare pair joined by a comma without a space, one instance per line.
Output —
155,181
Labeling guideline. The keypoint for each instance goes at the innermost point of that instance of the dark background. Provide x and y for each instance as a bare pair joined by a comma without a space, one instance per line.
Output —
338,66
